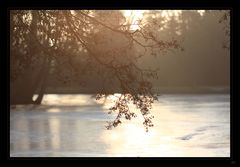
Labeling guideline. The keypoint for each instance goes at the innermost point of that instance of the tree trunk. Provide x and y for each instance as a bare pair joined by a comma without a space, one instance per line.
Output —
43,85
23,91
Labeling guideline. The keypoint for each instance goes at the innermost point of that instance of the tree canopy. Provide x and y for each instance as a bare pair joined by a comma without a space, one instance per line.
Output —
73,44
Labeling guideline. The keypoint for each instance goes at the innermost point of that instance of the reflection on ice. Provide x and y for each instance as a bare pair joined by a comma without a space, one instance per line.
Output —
73,125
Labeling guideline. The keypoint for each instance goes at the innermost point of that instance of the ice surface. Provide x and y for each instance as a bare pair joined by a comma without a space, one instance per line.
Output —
74,126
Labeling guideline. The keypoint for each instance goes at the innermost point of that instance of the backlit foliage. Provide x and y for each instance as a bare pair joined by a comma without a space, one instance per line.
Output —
77,43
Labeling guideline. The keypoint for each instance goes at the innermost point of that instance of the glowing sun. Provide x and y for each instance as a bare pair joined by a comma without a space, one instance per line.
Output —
133,17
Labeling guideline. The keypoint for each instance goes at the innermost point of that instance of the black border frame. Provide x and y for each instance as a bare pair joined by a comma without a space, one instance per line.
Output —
204,4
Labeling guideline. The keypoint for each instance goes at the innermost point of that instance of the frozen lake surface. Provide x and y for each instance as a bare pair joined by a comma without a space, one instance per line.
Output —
74,126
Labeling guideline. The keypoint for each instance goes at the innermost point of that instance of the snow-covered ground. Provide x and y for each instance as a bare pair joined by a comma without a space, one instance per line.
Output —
74,126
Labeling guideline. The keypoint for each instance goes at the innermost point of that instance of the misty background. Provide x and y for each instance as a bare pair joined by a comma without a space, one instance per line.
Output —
202,65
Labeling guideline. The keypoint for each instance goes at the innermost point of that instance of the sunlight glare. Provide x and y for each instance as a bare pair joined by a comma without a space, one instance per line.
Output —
53,110
133,17
201,12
